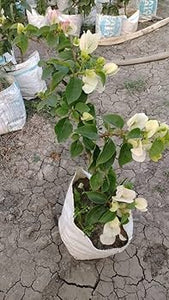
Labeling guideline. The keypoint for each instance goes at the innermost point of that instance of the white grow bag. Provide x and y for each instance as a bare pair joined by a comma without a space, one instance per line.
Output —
77,243
12,109
148,8
29,77
110,26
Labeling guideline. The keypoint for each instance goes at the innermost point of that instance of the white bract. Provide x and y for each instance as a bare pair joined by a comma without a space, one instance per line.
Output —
141,204
124,195
110,68
138,152
89,42
151,127
92,82
137,121
110,231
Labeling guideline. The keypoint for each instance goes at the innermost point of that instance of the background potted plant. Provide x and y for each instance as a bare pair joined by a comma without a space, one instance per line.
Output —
96,220
15,34
116,18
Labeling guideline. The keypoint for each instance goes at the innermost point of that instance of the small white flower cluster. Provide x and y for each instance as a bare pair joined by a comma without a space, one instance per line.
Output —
120,205
151,129
87,44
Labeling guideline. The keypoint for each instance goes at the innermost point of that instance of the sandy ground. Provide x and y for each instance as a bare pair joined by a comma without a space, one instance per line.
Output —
34,175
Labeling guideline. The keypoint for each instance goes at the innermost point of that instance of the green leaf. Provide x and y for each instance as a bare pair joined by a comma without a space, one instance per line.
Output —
112,180
73,90
82,107
124,219
108,151
95,155
89,131
94,214
66,54
97,197
108,163
156,149
114,120
62,110
76,148
106,185
22,42
131,205
96,181
57,78
134,134
108,216
125,154
63,129
47,72
52,39
89,145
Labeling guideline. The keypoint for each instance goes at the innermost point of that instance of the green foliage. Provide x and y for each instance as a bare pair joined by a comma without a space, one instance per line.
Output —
97,197
107,152
114,120
125,154
63,129
76,148
73,90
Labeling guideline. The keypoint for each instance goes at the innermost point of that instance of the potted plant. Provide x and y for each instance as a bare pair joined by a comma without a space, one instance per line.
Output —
96,219
12,109
116,18
27,73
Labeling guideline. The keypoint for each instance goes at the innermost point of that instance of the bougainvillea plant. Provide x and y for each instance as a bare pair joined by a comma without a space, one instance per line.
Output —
73,74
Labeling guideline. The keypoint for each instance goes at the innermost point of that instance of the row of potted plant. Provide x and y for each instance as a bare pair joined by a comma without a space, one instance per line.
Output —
112,18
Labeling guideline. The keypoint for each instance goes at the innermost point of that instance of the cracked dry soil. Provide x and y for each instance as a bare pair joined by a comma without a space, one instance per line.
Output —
34,175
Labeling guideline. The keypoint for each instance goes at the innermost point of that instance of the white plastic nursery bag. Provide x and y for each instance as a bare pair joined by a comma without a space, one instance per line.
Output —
7,58
12,109
130,24
148,8
34,18
77,243
109,26
29,77
63,4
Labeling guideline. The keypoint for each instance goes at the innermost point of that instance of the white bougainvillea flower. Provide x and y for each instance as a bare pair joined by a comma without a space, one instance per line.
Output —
86,117
122,238
20,28
89,42
114,206
163,129
124,195
53,16
68,27
137,121
151,127
110,231
110,69
138,152
141,204
92,82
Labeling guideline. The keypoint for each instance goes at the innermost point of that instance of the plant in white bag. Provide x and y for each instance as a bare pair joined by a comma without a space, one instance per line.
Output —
103,204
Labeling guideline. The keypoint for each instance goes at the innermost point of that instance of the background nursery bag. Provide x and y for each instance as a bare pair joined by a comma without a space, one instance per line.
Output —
12,109
29,77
